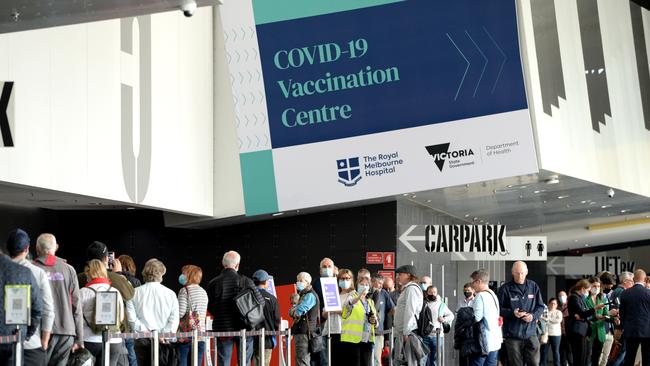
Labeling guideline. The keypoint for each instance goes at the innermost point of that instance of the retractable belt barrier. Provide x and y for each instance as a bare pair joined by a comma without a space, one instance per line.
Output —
8,339
284,350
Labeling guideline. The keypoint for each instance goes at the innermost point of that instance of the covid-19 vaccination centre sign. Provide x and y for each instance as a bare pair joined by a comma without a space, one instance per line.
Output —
340,101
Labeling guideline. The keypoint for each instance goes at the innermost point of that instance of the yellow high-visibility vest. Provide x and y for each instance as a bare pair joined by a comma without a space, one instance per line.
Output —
353,320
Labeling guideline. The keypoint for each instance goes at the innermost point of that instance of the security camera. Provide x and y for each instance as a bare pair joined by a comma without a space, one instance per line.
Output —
188,8
610,193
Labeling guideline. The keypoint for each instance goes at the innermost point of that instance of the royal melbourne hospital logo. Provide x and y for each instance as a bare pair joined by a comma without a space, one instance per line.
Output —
349,171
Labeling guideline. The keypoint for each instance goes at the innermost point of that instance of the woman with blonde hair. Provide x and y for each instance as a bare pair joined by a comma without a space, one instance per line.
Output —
359,318
333,325
98,282
192,301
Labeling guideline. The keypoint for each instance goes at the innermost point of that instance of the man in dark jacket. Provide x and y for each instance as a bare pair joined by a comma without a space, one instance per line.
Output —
521,306
635,319
271,317
14,274
221,294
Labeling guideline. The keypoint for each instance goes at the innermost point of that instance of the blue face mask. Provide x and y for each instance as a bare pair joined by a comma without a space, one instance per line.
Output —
300,286
182,279
345,284
363,288
424,286
326,272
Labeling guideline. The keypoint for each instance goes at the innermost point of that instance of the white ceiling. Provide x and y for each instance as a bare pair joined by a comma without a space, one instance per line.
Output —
34,14
529,205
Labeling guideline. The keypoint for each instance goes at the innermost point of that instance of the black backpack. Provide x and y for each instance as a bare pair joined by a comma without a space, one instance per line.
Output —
250,303
425,321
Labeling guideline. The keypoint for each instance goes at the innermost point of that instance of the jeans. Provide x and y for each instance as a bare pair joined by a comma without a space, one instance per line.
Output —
554,345
184,351
432,344
523,351
488,360
133,360
224,350
379,348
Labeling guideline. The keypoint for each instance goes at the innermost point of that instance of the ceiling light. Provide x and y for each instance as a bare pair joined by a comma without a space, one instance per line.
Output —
624,211
562,197
509,186
539,191
130,208
428,201
466,215
586,245
605,206
405,194
413,196
278,214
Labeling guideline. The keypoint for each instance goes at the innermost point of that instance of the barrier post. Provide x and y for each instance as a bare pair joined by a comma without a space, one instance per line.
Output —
106,348
216,353
195,347
438,346
262,346
329,341
18,348
155,350
242,346
289,347
282,362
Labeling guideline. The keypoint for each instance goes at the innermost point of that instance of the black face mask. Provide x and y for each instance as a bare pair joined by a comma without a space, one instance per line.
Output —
431,297
607,290
467,294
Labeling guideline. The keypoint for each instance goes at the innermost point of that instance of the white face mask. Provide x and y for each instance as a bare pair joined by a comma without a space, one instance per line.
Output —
595,291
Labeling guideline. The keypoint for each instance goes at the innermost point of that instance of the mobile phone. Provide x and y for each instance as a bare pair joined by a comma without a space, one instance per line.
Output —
111,259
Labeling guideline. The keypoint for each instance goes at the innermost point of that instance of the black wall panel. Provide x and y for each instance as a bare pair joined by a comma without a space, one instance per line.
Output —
283,246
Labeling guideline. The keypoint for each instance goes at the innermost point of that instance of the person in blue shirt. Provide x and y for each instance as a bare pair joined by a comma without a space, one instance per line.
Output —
384,305
306,315
521,306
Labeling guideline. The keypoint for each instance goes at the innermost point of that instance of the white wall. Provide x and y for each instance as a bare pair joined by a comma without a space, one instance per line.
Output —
617,156
68,110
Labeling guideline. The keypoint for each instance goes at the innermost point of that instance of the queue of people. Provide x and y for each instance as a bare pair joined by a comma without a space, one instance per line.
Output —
597,323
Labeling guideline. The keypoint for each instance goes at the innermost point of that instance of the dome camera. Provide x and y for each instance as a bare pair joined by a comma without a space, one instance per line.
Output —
610,193
188,8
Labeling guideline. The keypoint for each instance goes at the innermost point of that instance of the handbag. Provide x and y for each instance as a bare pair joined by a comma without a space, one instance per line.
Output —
315,339
190,321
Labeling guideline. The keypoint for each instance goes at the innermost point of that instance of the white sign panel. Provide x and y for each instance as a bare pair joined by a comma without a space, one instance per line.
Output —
587,265
331,299
413,159
106,308
17,304
472,242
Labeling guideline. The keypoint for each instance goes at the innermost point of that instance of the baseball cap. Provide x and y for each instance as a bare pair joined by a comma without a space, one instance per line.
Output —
260,275
96,250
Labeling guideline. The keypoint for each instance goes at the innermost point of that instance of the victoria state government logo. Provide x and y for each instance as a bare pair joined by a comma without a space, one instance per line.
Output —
349,171
457,158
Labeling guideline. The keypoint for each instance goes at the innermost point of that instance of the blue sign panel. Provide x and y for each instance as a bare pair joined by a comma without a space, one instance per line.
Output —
389,67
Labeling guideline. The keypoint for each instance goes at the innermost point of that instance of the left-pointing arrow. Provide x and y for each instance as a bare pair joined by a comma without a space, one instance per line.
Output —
406,239
5,129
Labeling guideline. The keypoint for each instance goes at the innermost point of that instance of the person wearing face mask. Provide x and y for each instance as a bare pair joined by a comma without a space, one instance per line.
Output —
597,322
441,314
384,306
333,326
326,269
359,318
608,281
191,297
306,315
425,283
468,297
566,357
577,327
